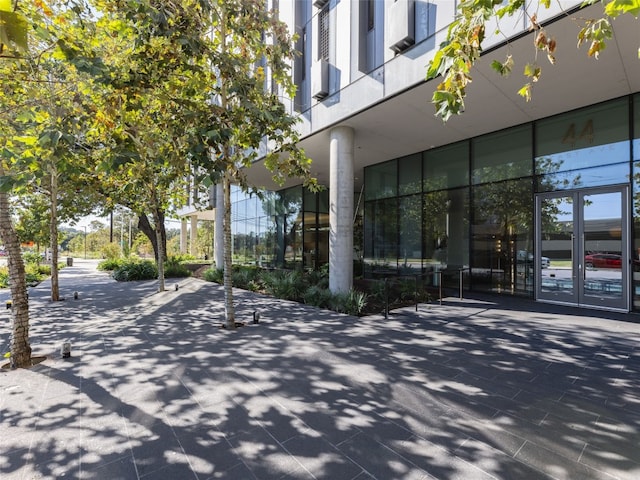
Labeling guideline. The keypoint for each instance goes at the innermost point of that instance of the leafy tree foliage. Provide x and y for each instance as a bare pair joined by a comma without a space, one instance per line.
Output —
463,47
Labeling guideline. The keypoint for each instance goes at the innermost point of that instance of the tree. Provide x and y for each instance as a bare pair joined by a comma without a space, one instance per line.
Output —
463,46
248,44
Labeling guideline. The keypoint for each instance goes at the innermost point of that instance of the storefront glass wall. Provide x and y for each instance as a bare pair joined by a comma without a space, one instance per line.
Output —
635,202
484,189
502,213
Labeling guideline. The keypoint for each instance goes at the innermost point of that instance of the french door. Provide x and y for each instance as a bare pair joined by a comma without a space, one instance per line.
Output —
582,254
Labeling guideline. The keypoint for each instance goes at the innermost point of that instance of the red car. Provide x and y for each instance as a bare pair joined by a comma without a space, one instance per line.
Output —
603,260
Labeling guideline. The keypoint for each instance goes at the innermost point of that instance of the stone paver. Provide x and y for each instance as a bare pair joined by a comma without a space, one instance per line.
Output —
471,389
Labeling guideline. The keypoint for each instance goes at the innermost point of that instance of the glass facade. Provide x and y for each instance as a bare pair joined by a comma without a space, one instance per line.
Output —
475,212
285,229
483,209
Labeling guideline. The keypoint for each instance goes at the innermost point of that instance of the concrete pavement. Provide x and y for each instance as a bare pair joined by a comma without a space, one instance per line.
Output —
467,390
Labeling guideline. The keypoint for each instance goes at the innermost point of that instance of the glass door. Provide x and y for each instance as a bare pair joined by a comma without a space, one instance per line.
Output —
582,248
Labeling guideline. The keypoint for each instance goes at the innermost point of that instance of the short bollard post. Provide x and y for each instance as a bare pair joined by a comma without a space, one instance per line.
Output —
256,317
65,349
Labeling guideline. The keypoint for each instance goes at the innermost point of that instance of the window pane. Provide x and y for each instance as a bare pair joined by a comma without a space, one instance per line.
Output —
446,167
381,236
502,236
588,177
636,128
381,180
635,254
410,173
503,155
410,223
446,232
590,137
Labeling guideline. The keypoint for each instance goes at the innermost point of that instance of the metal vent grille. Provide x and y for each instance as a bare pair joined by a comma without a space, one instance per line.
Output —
323,34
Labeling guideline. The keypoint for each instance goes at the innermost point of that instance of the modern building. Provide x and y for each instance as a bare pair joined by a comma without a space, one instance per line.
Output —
511,197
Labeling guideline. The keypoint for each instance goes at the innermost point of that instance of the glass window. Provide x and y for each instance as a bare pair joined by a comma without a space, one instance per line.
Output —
502,233
381,236
446,167
446,229
410,174
410,224
587,177
380,181
502,155
635,254
636,127
590,137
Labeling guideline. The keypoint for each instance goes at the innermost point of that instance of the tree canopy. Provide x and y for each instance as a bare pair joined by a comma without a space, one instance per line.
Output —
463,47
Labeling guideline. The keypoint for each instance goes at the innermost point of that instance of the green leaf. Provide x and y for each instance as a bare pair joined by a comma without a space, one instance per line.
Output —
13,30
619,7
26,139
525,92
6,183
5,6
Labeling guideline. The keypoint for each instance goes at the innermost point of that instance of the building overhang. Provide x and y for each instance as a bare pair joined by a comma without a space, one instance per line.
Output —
406,123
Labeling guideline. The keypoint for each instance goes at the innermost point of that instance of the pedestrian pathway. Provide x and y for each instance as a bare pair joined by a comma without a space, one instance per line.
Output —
467,390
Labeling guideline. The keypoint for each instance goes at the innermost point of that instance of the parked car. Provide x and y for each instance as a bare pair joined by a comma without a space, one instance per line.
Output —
603,260
527,257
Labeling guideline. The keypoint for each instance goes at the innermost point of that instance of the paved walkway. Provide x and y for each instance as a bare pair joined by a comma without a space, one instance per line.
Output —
466,390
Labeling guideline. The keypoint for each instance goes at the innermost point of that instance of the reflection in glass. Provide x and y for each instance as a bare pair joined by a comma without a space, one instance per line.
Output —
446,233
602,239
446,167
593,136
588,177
410,174
557,247
502,155
381,236
410,223
502,233
381,180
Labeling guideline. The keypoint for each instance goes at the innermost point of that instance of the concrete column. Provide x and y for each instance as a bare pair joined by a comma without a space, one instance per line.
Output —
183,235
194,235
218,232
341,210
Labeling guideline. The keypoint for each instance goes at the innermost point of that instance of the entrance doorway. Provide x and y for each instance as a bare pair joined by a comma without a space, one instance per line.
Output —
582,254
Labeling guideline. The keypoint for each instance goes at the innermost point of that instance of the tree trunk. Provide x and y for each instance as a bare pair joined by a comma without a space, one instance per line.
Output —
20,347
161,254
228,265
218,232
145,227
53,232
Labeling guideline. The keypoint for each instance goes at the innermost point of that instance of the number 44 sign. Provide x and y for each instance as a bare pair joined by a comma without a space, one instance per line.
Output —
586,134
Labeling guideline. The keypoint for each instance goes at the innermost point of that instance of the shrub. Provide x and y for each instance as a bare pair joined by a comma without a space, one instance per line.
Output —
32,274
136,270
4,277
183,257
286,284
213,275
352,302
317,296
111,251
111,264
319,278
173,269
31,257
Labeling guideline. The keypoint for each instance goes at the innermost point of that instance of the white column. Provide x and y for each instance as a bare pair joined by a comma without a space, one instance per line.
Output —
218,232
341,210
194,235
183,235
